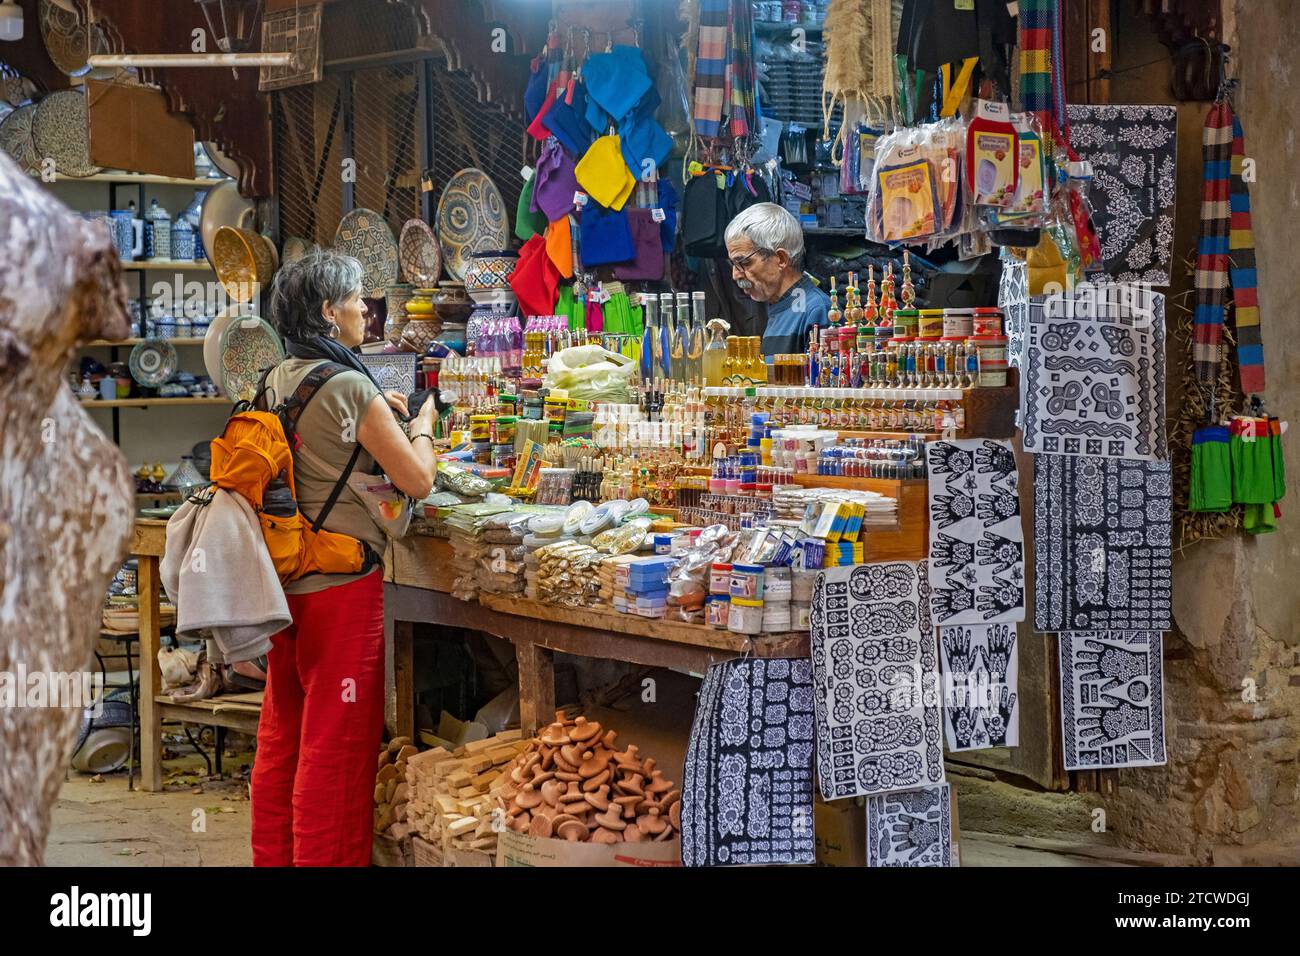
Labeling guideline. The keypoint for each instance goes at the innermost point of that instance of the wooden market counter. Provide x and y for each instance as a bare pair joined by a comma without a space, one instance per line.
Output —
418,582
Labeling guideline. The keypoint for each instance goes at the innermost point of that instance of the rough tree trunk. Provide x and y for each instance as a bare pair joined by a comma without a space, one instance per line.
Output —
66,497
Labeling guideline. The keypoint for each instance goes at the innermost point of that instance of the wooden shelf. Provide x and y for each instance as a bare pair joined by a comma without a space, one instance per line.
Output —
146,402
104,343
177,265
139,179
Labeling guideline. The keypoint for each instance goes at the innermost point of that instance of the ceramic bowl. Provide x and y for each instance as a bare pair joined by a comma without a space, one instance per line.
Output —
248,347
153,362
489,275
212,340
418,334
244,262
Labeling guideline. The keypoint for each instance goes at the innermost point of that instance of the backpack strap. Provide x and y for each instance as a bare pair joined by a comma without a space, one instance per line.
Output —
290,411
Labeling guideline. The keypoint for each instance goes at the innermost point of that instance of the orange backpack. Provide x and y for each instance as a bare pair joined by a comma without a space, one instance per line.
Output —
253,452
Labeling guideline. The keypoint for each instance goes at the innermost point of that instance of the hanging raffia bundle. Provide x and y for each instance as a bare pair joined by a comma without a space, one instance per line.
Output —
859,56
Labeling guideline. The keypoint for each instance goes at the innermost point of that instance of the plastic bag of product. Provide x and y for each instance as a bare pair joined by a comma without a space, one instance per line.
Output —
915,189
591,373
461,482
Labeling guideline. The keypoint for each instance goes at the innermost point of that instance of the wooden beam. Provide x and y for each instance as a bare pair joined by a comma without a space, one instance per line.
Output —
536,687
150,675
404,678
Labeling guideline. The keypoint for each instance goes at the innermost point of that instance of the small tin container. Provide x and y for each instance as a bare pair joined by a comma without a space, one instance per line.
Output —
777,584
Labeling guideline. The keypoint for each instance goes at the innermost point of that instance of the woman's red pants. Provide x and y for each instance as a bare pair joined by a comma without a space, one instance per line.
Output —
322,720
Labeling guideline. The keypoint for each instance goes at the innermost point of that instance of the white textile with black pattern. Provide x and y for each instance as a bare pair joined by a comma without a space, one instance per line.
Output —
980,674
977,550
875,677
1112,699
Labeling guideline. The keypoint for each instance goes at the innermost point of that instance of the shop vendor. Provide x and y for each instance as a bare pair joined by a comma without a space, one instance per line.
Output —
765,246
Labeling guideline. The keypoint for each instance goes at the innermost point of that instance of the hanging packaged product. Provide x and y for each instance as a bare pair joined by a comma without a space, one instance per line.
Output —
992,155
904,200
1029,205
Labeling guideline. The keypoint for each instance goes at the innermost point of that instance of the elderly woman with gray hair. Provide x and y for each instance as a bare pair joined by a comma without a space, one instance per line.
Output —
322,714
765,247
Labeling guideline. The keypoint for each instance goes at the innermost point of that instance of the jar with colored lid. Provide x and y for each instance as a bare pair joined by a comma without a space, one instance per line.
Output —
480,428
717,610
930,323
905,322
745,617
992,350
958,323
986,322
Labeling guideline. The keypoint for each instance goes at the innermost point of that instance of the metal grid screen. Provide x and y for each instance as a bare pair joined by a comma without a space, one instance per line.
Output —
377,111
468,131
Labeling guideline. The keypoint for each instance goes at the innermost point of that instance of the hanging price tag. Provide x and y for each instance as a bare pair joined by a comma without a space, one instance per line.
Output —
580,199
657,214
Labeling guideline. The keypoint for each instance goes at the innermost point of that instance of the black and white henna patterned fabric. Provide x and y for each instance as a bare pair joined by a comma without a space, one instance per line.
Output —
1093,376
1134,154
977,551
980,676
911,828
1112,699
747,792
875,678
1102,544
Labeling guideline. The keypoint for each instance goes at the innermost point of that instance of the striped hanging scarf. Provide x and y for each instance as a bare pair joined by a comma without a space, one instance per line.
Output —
1245,295
742,75
1212,249
1042,93
711,66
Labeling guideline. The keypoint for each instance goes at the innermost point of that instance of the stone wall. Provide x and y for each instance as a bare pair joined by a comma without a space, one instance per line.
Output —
1232,669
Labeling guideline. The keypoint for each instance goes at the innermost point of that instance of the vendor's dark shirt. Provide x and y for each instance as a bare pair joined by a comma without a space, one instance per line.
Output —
790,318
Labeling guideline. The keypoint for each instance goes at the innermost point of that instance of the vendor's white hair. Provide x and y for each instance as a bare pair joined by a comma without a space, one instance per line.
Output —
769,227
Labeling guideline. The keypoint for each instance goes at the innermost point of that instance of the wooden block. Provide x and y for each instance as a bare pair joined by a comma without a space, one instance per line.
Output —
446,803
478,764
399,831
459,779
466,792
463,825
508,735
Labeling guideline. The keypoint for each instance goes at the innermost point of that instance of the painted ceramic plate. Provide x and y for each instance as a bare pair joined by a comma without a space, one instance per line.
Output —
249,346
16,138
419,252
471,218
223,207
393,371
61,130
16,89
212,340
364,235
69,40
152,362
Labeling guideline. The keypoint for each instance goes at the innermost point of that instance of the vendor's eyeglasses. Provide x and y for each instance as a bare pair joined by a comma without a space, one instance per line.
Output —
743,262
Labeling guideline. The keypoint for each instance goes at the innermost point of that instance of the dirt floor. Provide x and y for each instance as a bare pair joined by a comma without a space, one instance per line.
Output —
199,820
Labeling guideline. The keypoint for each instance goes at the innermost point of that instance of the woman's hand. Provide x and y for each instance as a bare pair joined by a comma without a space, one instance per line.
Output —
397,402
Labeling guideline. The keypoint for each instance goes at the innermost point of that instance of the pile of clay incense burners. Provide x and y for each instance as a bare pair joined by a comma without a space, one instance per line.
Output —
572,783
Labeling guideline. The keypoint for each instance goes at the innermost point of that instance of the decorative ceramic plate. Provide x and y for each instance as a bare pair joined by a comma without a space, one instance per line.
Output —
152,362
212,340
295,247
16,138
419,252
68,40
248,347
61,129
393,371
364,235
471,218
16,90
223,207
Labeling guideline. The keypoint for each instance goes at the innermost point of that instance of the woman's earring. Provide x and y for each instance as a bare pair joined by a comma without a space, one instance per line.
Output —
334,328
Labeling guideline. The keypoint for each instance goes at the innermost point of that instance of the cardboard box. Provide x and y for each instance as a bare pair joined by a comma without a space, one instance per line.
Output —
517,849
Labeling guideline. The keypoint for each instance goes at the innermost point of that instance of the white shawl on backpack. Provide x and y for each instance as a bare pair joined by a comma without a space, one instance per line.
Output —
217,571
